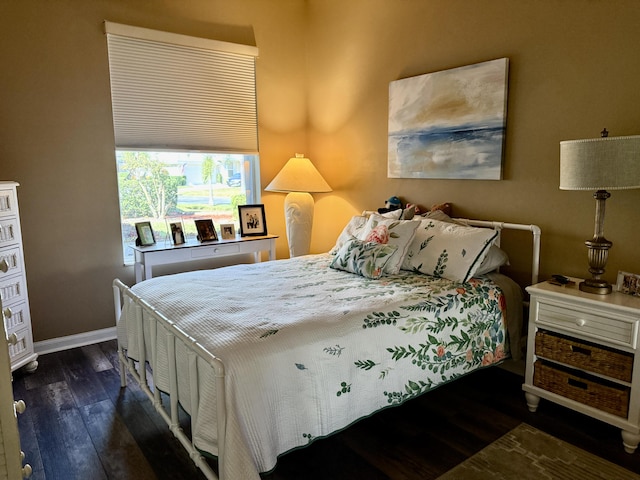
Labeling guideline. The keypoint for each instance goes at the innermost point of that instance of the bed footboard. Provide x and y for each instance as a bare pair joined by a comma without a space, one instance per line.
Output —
145,313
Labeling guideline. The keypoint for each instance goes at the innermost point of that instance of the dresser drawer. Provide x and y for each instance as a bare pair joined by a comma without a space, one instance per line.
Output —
16,317
23,347
9,231
12,257
584,355
614,327
8,202
13,290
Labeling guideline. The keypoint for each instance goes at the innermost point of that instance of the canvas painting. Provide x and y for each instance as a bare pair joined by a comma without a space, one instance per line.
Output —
449,124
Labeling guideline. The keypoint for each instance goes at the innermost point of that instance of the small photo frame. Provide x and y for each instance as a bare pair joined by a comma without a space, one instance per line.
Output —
145,234
228,231
206,231
252,220
628,283
176,231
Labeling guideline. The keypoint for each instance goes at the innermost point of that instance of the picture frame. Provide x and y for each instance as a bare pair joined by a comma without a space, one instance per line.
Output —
228,231
206,230
252,220
176,232
145,233
628,283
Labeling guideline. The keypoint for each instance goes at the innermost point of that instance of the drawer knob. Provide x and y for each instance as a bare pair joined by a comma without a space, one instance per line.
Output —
20,406
26,471
4,266
12,339
581,322
8,312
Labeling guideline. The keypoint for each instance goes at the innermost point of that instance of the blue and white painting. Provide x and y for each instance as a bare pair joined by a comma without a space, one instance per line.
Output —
449,124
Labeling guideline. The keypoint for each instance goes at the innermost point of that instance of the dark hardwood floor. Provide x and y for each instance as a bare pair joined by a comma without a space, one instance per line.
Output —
79,424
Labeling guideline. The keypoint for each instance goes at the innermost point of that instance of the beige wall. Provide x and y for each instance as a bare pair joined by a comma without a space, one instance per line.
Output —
574,69
323,76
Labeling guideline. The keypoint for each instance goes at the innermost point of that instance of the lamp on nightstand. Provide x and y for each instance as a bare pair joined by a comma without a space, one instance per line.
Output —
600,164
298,178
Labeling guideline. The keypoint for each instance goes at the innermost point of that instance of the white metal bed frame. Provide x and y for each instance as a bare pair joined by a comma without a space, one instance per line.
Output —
174,335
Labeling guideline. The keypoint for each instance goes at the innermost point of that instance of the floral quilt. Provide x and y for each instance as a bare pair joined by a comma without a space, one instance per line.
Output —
308,349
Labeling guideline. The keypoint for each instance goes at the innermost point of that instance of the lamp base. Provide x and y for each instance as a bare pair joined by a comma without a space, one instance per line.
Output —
599,287
298,214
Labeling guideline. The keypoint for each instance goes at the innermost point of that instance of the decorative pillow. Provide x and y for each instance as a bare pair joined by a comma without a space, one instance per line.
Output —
352,230
448,250
393,232
496,257
363,258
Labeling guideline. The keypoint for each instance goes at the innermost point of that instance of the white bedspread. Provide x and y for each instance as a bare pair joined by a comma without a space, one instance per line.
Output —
308,350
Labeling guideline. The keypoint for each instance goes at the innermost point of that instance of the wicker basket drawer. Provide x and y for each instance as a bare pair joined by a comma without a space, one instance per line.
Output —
605,396
584,355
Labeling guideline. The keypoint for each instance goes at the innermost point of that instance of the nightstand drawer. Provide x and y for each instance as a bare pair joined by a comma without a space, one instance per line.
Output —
584,355
613,327
606,396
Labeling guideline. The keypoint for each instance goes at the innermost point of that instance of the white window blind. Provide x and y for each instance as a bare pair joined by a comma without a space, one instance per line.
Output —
171,91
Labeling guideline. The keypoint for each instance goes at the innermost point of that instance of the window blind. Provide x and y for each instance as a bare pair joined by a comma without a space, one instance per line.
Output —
176,92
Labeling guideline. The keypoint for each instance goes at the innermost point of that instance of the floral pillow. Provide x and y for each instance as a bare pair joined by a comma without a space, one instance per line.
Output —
367,259
392,232
352,230
448,250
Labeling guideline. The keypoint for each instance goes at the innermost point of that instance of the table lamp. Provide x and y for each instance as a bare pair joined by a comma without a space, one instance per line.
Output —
298,178
600,164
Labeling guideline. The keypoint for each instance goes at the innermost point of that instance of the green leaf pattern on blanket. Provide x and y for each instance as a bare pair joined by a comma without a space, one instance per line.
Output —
479,341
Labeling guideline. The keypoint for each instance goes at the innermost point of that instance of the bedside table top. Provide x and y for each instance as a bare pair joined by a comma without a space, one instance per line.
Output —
612,300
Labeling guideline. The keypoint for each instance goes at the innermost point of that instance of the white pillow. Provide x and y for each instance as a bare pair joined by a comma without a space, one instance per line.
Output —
394,232
395,214
496,257
448,250
352,230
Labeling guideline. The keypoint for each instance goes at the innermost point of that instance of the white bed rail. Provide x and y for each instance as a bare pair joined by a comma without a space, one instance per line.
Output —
146,313
534,229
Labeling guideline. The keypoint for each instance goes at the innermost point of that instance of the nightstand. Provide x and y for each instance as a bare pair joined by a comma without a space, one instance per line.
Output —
583,353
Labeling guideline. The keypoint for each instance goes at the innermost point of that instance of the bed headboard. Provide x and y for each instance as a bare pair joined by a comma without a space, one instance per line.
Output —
499,226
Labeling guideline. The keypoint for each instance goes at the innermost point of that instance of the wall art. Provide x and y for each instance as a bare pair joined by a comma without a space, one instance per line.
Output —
449,124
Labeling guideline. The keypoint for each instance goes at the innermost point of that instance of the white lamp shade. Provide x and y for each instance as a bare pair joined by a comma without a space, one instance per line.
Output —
299,175
609,163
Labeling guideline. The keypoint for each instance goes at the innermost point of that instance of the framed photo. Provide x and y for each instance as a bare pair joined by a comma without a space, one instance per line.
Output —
252,220
176,230
206,232
228,231
145,234
628,283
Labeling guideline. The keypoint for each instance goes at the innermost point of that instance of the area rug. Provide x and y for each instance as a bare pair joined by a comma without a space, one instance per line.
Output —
527,453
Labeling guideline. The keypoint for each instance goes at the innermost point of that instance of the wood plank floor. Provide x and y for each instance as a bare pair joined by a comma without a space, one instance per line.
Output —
79,424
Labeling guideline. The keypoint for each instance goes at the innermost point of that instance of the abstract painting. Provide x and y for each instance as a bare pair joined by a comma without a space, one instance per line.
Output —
449,124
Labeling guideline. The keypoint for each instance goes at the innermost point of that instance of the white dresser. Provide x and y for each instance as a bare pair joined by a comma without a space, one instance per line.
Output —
13,281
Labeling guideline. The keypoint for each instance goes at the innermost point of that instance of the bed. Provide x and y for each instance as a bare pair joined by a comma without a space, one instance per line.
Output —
269,357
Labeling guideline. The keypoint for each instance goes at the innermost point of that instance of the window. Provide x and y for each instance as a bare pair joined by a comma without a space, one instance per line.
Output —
185,125
165,187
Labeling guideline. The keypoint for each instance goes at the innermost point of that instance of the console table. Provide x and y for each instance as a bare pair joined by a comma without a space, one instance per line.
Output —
147,257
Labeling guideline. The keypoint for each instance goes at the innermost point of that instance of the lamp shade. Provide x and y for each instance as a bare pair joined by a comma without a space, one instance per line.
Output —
298,175
609,163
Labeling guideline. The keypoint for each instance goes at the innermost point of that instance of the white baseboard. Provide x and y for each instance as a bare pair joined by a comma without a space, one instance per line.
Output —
73,341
